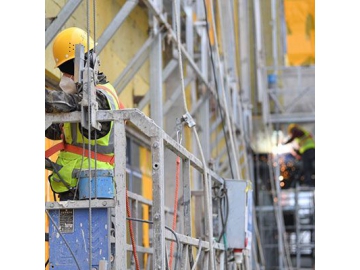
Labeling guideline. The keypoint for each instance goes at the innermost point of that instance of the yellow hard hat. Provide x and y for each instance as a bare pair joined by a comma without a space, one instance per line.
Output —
65,41
290,127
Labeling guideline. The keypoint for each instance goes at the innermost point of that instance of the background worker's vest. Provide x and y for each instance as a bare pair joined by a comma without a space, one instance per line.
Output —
305,142
73,162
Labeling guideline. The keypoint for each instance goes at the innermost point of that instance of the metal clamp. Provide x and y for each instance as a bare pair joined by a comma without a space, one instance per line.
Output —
188,119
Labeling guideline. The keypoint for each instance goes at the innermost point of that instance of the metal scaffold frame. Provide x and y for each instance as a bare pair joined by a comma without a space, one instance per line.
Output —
213,38
159,141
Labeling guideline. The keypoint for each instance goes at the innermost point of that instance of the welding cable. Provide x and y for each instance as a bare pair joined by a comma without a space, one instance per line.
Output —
224,223
66,243
131,232
168,228
175,205
224,200
224,207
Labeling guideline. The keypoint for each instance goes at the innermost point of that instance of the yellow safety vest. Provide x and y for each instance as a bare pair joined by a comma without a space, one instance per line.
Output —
305,142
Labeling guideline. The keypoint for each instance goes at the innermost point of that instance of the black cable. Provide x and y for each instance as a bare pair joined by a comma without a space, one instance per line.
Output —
168,228
217,91
223,200
225,225
227,213
46,263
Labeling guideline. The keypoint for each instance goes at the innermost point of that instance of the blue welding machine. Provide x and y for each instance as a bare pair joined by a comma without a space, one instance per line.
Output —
69,238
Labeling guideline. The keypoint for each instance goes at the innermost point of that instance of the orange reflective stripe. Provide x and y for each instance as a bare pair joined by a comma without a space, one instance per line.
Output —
52,150
80,151
121,106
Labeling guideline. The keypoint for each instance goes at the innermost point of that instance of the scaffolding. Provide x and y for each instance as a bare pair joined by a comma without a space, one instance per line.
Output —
213,56
212,252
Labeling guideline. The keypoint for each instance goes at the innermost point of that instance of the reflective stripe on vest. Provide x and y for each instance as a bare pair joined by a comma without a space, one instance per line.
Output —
80,151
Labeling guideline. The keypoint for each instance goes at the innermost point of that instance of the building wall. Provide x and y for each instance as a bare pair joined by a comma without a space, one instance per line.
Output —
127,40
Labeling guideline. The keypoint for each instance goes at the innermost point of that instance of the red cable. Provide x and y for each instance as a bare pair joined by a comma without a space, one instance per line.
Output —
131,232
175,205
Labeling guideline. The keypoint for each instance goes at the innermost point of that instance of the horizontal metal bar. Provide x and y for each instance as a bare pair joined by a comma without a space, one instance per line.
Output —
140,249
184,239
74,204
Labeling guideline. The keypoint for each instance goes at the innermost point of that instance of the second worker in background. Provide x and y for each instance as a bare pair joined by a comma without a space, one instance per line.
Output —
306,151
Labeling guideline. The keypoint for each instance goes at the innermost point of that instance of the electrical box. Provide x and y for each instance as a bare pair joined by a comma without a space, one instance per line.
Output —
235,228
69,239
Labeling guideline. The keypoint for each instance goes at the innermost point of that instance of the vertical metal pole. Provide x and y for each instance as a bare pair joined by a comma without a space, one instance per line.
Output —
279,216
187,203
245,78
205,108
187,196
274,40
209,216
189,33
120,199
277,169
156,90
244,42
157,150
260,62
297,227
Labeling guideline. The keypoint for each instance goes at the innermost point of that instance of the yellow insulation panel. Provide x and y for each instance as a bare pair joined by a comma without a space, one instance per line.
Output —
145,167
300,24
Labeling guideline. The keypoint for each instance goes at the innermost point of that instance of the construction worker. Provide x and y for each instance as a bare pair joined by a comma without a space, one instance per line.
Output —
73,155
306,151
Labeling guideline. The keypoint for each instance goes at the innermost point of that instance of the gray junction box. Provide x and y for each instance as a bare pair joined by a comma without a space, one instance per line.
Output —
235,229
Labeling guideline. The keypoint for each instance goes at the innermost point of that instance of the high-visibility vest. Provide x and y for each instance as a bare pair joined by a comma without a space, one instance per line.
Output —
73,157
305,142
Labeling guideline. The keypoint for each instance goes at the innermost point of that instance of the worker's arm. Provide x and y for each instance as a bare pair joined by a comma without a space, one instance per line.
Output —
289,140
59,102
295,133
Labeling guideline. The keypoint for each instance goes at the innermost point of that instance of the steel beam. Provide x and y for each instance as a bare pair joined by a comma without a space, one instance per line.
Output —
115,24
60,20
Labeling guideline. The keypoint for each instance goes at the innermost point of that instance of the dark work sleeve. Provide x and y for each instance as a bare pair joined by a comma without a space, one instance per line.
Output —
53,132
59,101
